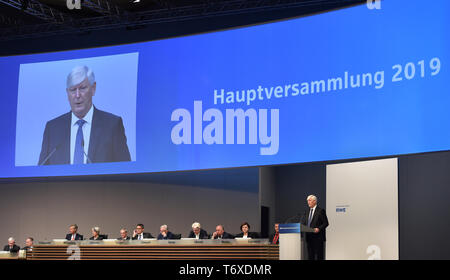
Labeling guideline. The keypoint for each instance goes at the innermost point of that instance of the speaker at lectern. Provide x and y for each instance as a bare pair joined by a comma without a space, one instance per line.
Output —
291,240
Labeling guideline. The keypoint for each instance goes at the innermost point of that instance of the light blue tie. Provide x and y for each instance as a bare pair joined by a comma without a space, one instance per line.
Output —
78,156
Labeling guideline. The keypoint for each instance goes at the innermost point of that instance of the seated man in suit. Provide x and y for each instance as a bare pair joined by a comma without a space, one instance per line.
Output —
316,218
73,235
197,232
245,232
275,237
164,233
139,234
11,247
85,134
221,234
123,234
28,244
96,234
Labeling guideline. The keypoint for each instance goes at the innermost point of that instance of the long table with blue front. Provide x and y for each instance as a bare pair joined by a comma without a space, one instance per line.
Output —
184,249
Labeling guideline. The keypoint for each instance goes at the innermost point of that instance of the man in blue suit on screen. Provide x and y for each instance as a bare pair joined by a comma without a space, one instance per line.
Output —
85,134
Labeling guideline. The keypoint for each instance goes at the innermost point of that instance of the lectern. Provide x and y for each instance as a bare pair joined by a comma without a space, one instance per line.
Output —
291,241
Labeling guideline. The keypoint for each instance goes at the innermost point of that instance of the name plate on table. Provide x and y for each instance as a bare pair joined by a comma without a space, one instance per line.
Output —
256,240
94,242
59,241
147,241
110,241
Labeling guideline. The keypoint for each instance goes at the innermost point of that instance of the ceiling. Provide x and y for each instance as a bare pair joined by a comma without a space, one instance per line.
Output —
38,18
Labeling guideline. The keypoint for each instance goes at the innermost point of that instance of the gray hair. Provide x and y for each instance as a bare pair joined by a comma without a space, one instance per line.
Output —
124,229
196,225
313,197
163,226
96,229
79,74
11,239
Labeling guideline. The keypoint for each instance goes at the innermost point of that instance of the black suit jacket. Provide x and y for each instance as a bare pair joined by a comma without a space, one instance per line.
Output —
14,249
120,238
252,235
145,235
168,236
225,235
27,248
203,234
107,143
77,236
99,238
319,220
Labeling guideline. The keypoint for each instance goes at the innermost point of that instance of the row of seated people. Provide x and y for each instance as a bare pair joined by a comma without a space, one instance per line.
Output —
138,234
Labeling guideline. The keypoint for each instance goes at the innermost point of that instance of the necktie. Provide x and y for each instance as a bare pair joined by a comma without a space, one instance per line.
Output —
275,239
310,217
78,157
73,236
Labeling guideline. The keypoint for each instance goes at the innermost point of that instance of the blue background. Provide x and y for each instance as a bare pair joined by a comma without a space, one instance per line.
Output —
411,116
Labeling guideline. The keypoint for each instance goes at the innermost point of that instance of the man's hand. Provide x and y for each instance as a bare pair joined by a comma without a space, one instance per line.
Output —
134,233
214,235
316,230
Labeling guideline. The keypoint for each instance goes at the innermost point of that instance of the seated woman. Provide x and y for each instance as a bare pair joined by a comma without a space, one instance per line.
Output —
96,234
245,232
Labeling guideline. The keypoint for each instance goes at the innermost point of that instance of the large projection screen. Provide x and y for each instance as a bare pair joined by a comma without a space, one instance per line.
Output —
346,84
362,208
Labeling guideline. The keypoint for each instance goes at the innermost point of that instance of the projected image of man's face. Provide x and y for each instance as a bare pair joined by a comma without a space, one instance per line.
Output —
80,97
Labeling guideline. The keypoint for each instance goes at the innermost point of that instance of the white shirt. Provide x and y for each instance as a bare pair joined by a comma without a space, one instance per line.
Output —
245,236
197,236
86,133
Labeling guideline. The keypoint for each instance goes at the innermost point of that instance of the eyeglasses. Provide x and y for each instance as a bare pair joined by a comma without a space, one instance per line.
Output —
81,89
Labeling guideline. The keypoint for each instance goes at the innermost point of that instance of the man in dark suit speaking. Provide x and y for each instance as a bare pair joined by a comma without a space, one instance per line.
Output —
85,134
315,218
